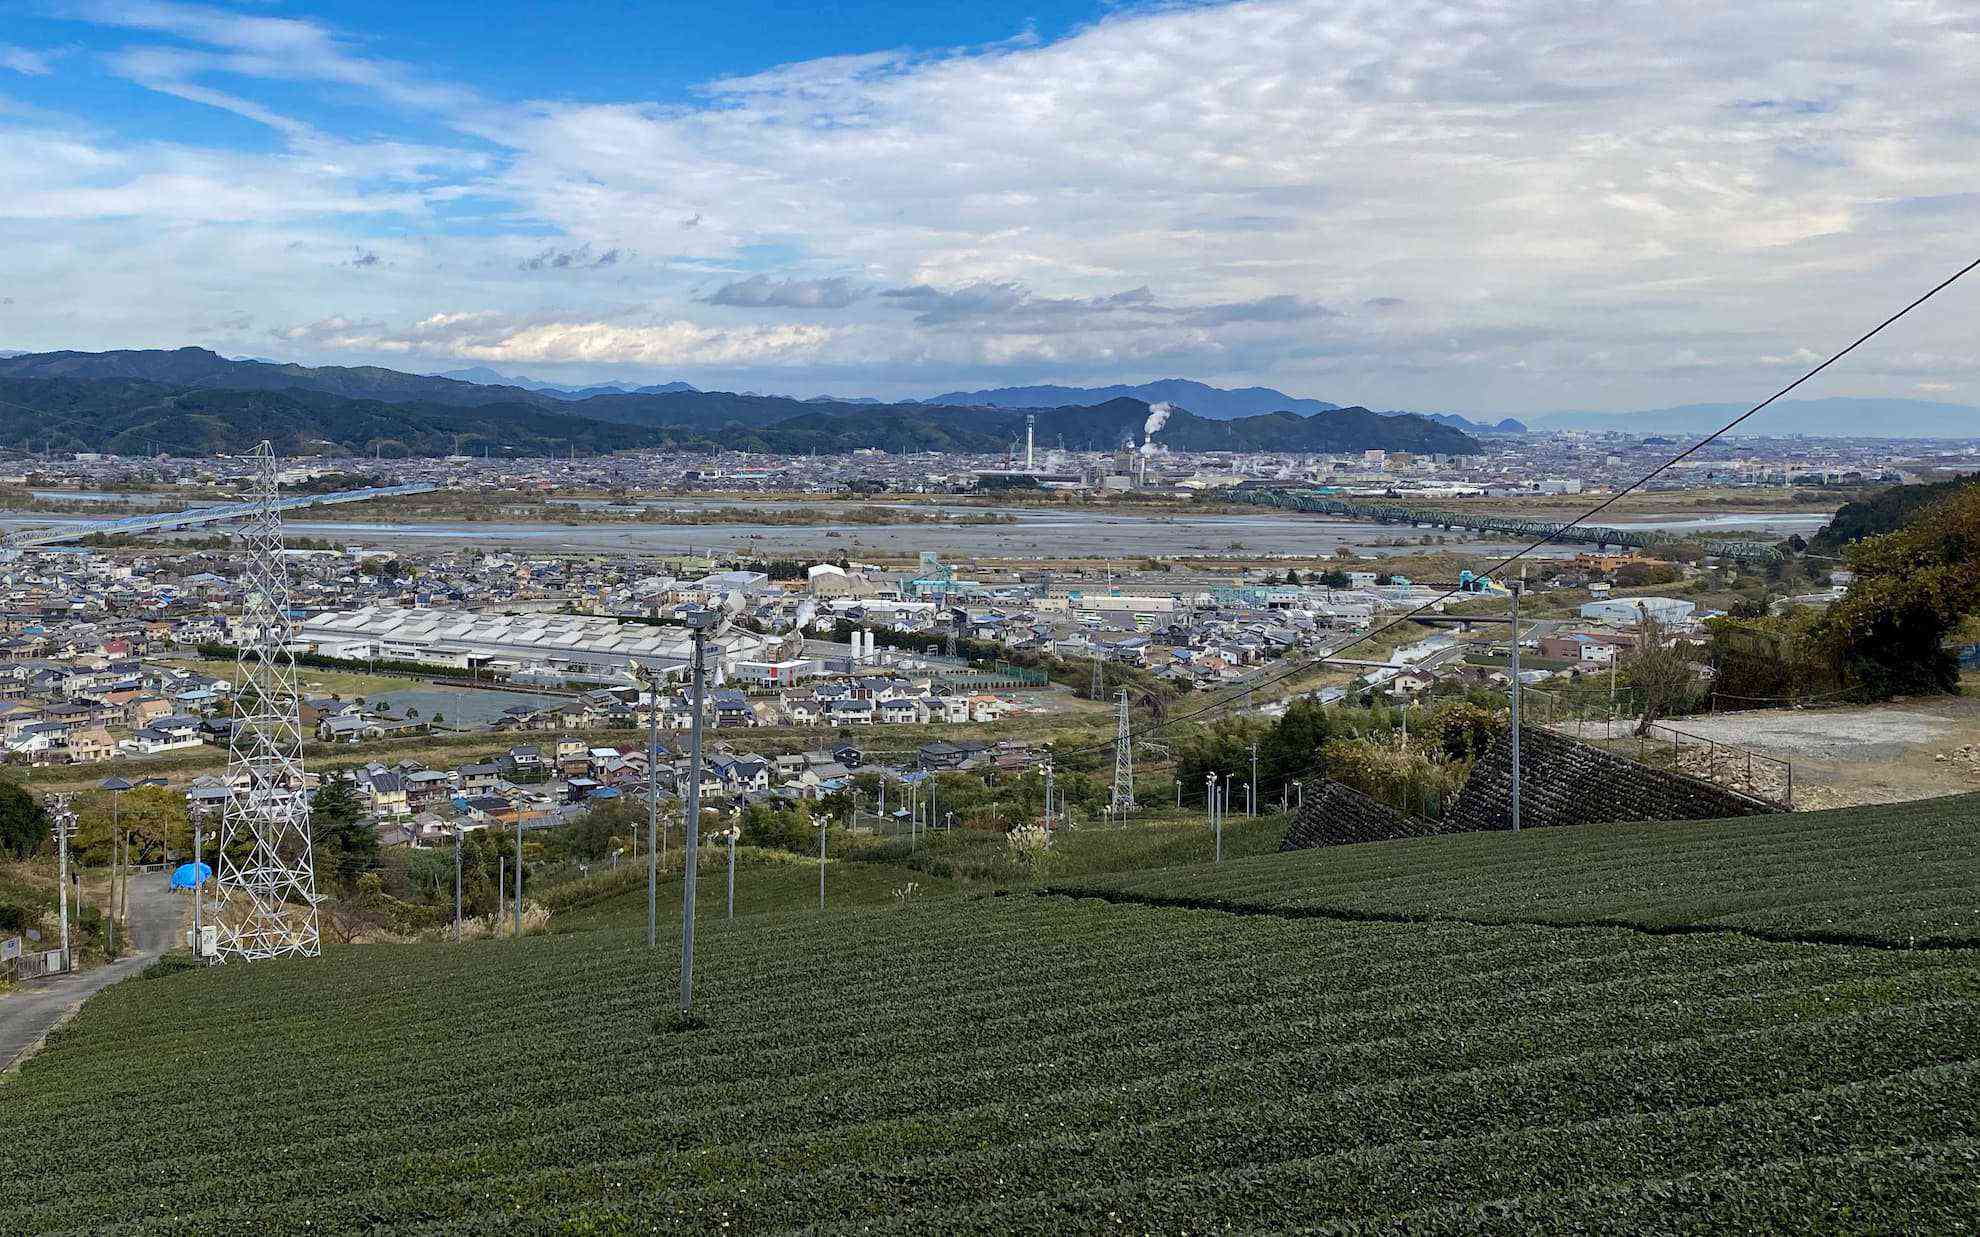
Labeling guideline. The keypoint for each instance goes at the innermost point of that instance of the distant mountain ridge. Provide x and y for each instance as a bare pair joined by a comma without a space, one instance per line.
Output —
1214,403
193,401
1506,426
481,375
1834,417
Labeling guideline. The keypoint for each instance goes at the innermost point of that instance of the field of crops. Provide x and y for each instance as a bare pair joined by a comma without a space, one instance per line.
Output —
1904,874
1020,1063
763,886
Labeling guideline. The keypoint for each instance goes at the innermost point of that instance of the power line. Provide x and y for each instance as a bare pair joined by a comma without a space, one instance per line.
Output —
1589,514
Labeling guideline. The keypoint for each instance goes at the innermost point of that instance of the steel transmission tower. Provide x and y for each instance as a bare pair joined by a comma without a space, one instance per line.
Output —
1123,801
265,872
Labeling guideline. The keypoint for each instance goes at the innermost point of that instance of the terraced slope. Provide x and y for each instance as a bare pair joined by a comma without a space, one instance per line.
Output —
761,888
1035,1063
1904,874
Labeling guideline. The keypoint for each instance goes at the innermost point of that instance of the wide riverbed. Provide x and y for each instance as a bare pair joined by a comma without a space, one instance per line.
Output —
1039,534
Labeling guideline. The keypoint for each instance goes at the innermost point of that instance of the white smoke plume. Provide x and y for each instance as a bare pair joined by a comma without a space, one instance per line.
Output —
1158,416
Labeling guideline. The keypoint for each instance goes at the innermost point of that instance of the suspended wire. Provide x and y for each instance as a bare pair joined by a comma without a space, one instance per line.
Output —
1597,509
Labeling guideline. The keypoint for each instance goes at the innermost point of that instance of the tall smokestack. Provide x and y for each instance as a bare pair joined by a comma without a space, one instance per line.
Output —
1030,430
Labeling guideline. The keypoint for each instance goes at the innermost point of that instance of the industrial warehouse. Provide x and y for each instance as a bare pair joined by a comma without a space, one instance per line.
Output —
522,646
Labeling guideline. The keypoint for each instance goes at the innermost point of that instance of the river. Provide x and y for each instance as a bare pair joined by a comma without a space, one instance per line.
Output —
1042,534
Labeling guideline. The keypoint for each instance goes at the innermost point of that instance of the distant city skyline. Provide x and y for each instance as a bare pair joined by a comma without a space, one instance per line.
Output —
1503,209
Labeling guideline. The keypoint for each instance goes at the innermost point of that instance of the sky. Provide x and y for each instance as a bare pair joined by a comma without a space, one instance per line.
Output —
1503,206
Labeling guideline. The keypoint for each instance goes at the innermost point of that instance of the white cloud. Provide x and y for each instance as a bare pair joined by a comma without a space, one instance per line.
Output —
1517,204
492,335
26,60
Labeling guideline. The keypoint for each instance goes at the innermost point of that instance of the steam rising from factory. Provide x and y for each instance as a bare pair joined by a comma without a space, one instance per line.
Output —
1158,416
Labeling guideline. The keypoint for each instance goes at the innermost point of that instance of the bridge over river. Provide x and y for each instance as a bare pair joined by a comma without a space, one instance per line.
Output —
1316,503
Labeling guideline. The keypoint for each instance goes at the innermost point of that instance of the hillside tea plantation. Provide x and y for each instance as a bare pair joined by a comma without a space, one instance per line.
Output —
1028,1063
1903,874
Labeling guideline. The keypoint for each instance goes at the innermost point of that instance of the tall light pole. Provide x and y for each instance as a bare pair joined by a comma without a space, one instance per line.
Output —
1516,588
707,624
690,851
1210,800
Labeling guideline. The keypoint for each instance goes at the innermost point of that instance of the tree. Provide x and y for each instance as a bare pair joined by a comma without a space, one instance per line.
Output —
1661,671
1334,579
24,823
340,827
152,817
1913,587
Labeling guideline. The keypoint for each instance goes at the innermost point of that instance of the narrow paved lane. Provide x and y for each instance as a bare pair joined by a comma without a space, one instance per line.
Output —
39,1006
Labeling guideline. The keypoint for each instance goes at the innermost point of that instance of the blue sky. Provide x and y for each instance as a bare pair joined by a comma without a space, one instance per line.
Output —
1501,207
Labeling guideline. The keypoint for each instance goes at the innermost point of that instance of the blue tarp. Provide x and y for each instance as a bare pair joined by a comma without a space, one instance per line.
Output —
187,875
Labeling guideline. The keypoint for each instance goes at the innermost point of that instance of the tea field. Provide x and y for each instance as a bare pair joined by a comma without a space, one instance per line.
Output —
1902,874
1033,1063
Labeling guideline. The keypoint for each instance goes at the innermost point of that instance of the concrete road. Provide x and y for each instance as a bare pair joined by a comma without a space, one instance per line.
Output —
38,1006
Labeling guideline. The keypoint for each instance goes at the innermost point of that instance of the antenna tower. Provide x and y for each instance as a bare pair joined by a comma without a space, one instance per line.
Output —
265,872
1097,675
1123,801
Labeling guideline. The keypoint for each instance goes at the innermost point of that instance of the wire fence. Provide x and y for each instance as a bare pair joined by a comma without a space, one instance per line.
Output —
1664,746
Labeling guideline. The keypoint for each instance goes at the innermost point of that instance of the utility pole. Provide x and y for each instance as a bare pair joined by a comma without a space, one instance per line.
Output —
1516,589
501,887
1251,787
733,831
1048,796
652,807
62,826
199,892
821,863
519,874
457,883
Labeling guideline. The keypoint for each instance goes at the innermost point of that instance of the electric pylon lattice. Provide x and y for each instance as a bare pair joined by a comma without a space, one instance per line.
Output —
1123,801
265,872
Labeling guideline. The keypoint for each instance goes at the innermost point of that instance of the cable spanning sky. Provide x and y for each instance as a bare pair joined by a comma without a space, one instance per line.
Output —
1502,207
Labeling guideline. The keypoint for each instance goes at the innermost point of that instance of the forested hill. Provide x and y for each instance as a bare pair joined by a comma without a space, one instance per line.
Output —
1885,512
193,402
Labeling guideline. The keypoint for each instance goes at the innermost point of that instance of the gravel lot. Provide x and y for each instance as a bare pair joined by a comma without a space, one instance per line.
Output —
1824,735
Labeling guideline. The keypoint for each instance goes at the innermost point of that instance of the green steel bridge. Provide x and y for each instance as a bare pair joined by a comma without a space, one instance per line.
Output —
1596,535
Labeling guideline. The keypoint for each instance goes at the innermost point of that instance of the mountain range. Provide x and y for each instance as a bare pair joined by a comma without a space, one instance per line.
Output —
1837,417
481,375
191,401
1214,403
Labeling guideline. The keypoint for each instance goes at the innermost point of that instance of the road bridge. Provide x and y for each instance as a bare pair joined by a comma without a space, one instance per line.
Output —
1316,503
197,517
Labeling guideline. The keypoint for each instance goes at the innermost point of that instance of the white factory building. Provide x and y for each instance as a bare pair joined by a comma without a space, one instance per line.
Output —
1631,609
542,646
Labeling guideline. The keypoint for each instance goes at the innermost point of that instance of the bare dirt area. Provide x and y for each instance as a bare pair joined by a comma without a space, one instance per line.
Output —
1910,749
